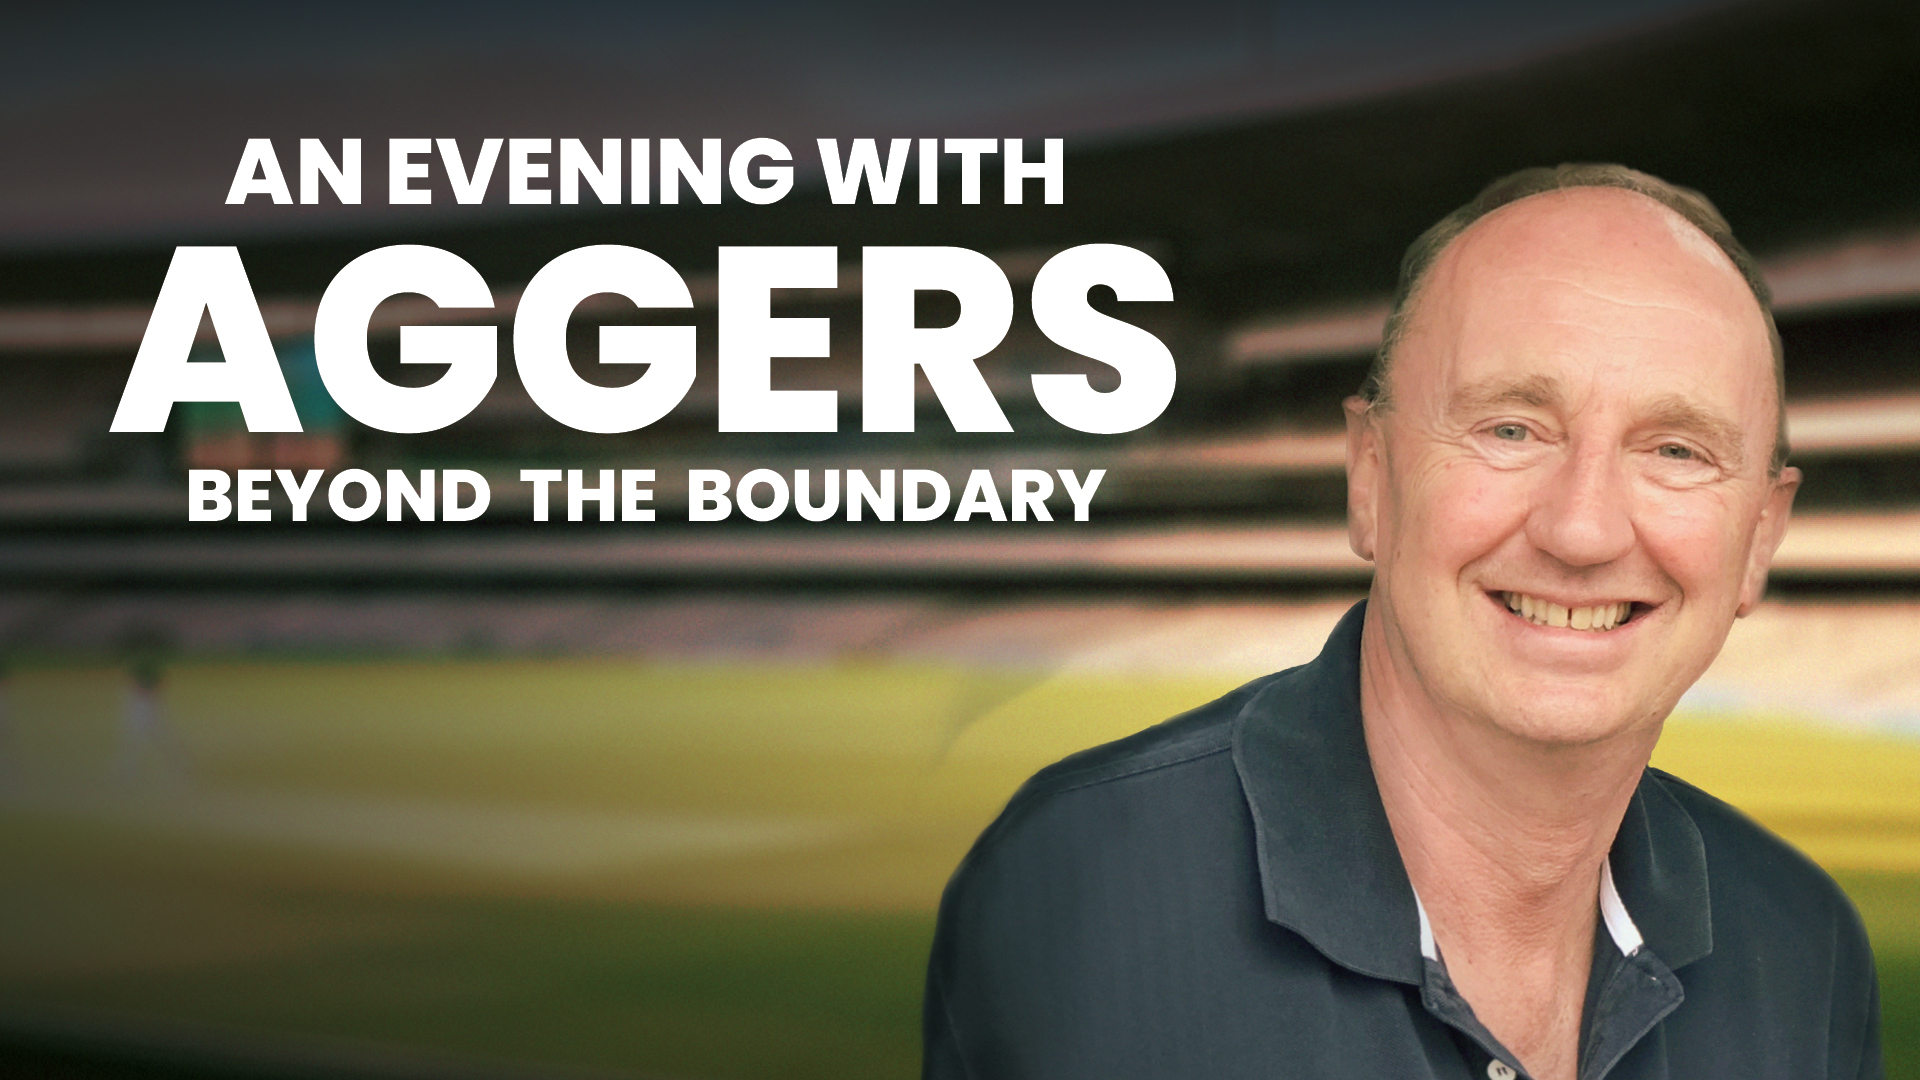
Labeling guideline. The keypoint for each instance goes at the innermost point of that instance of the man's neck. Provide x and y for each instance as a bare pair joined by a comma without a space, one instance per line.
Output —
1503,839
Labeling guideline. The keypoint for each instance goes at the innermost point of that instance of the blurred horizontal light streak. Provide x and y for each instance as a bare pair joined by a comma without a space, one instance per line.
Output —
1172,554
1854,424
1857,544
1855,272
1346,331
1816,545
535,840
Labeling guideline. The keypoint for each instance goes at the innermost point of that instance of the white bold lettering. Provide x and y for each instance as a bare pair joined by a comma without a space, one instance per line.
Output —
337,495
772,182
911,508
971,151
980,497
707,495
894,346
632,494
451,481
299,492
1051,169
402,170
929,171
1081,494
258,174
1061,311
471,353
1031,487
577,165
209,279
522,170
251,491
343,178
640,186
860,491
750,337
829,496
863,164
540,339
540,478
676,164
776,503
401,490
469,188
579,494
207,495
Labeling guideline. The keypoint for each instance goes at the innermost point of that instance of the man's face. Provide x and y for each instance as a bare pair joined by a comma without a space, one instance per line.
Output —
1581,419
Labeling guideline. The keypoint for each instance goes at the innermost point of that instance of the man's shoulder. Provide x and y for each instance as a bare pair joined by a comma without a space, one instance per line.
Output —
1752,871
1197,734
1789,954
1171,777
1072,937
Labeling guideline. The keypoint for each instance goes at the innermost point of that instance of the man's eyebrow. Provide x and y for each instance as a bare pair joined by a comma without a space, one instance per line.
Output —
1537,391
1720,434
1671,412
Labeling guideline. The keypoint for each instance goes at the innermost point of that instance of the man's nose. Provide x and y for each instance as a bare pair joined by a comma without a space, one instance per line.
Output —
1582,513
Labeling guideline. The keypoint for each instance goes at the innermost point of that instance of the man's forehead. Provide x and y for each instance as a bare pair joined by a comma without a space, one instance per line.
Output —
1588,257
1562,296
1595,227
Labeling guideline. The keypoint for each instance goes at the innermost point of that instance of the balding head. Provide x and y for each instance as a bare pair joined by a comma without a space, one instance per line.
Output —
1568,497
1693,216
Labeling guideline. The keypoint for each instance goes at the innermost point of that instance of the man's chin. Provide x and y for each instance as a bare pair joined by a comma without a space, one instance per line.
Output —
1563,705
1574,718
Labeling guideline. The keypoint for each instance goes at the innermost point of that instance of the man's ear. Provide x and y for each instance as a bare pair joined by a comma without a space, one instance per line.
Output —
1363,475
1766,538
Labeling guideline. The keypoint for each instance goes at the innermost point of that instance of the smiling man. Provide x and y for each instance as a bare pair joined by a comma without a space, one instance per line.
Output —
1437,850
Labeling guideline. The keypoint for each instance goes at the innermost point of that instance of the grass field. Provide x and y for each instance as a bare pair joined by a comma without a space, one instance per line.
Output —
697,870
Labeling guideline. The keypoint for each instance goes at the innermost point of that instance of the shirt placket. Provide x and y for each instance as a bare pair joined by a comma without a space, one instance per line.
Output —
1637,993
1444,1003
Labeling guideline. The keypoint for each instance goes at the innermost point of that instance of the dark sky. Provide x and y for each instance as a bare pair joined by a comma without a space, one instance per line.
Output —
126,122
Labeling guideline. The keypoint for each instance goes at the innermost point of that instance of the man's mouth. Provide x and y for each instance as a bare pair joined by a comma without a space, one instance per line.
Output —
1597,617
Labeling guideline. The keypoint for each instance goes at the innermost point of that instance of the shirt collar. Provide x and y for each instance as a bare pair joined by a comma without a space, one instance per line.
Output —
1329,868
1619,925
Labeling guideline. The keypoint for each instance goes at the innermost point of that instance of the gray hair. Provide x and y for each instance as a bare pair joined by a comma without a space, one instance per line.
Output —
1686,202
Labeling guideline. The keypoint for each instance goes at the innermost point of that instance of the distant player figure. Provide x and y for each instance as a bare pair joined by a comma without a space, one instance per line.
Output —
145,735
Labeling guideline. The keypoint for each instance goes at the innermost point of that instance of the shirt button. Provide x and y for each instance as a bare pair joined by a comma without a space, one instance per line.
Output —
1500,1070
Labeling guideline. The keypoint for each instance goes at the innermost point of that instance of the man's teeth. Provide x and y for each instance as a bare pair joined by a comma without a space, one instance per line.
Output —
1546,613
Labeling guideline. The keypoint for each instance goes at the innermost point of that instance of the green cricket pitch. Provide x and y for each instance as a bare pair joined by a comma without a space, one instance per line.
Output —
695,870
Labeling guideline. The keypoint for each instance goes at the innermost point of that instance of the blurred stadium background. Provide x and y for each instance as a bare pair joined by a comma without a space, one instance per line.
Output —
500,800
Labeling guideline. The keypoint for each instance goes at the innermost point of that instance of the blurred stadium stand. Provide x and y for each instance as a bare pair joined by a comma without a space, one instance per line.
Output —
1281,235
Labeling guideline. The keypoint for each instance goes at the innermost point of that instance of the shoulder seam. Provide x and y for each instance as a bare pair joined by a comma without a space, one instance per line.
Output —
1136,769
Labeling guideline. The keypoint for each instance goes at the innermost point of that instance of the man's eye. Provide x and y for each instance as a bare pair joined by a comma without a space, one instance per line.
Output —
1676,452
1510,432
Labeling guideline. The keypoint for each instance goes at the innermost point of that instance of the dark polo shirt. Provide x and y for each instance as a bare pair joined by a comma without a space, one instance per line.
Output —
1220,896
